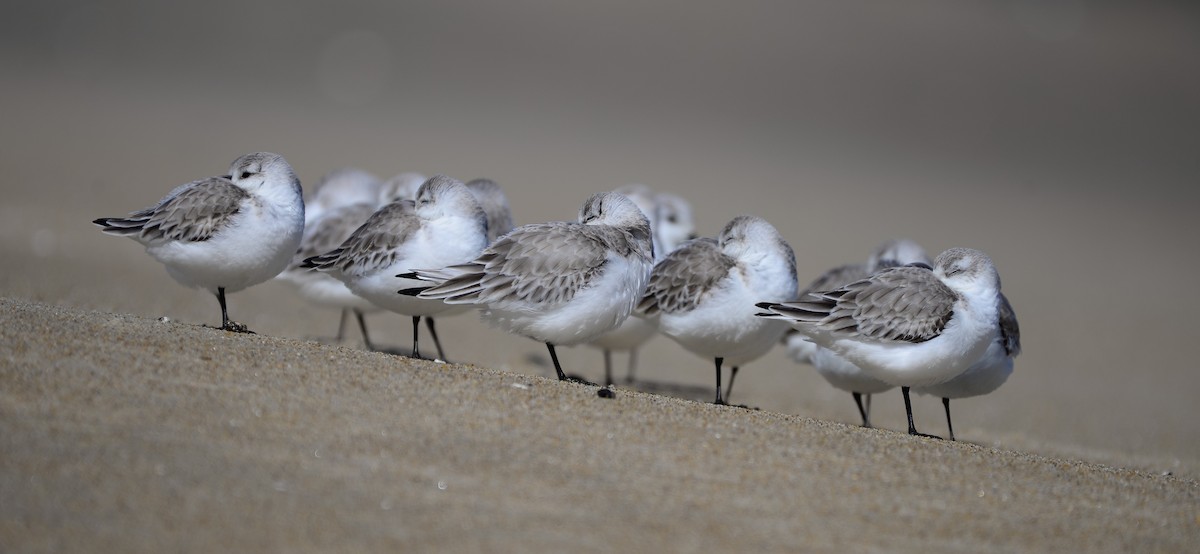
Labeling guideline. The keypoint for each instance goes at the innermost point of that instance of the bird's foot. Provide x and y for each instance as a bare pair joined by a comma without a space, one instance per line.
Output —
235,327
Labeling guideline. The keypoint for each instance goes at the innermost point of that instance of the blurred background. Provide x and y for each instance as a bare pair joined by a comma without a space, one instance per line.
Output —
1059,137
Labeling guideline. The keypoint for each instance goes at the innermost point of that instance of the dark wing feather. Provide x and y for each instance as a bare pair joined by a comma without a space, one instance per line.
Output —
837,277
373,245
903,303
545,263
332,229
680,281
1009,330
192,212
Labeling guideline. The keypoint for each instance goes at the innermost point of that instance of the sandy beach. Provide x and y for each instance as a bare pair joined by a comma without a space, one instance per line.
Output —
130,434
1058,139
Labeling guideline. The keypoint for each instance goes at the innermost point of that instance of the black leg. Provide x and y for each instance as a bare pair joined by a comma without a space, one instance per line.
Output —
557,368
718,364
950,426
608,368
436,342
729,390
632,365
362,326
562,376
224,313
912,429
416,352
227,325
342,325
862,411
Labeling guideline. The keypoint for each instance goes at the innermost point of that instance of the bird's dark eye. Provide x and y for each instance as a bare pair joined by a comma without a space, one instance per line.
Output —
245,175
672,219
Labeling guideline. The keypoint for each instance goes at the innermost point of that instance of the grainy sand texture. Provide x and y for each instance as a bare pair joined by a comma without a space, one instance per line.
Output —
1057,137
129,434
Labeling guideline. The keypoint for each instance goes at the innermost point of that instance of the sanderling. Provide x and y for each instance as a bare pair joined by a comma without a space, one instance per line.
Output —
559,283
909,326
490,197
341,201
445,226
670,225
704,293
223,234
495,204
989,371
403,186
674,223
836,370
341,187
347,198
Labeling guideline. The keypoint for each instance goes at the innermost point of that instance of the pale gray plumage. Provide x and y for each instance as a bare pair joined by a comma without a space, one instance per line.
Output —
225,233
680,281
703,293
330,231
516,267
558,283
445,225
907,326
373,245
495,204
192,212
900,303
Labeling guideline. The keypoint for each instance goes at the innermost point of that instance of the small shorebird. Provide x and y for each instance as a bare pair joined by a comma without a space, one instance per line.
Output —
223,234
445,226
909,326
342,200
836,370
989,371
670,225
559,283
703,293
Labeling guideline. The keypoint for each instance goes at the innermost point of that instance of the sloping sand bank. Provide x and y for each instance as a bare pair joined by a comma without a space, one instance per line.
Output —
127,434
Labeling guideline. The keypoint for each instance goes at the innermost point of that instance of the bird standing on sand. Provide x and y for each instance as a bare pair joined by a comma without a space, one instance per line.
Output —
835,369
342,200
223,234
989,371
703,294
559,283
445,226
670,225
908,326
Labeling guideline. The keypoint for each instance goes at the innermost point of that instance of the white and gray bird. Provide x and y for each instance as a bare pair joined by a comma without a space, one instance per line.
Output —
559,283
341,187
402,186
445,226
342,200
223,234
671,224
495,204
989,371
909,326
833,368
703,294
